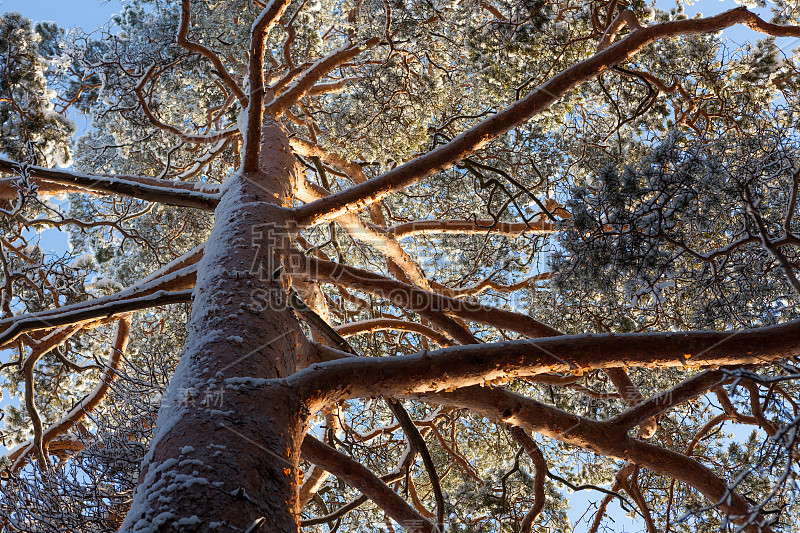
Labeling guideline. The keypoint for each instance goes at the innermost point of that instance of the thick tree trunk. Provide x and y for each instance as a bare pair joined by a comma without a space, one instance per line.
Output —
226,446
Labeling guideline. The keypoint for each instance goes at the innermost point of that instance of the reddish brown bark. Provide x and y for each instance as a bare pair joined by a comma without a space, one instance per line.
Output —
465,366
245,342
54,181
538,100
236,345
364,480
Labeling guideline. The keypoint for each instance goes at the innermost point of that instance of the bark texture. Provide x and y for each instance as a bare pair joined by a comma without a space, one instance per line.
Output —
240,337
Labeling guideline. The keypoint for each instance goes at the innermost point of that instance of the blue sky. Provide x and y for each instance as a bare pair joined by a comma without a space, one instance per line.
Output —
91,14
88,14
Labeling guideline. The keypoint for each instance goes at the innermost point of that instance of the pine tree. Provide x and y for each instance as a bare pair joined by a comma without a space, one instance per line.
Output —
456,260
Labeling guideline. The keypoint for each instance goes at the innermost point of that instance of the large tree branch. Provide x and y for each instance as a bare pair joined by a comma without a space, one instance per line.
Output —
501,405
360,477
464,366
259,31
149,189
542,226
170,287
447,155
428,304
80,312
414,437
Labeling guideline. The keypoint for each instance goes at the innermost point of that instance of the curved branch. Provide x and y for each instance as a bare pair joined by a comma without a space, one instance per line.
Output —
417,443
632,396
308,149
755,407
38,446
619,482
691,388
86,405
183,40
431,305
466,143
483,285
540,469
396,324
358,476
187,137
169,288
631,485
703,431
501,405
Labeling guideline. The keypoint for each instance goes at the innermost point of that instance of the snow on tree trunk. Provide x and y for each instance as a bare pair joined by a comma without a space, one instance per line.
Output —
226,446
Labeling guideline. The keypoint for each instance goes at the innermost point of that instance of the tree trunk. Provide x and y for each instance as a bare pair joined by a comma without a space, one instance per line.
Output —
226,446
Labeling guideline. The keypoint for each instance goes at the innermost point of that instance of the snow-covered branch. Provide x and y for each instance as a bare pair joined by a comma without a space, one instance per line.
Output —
463,145
370,234
150,75
362,478
18,456
306,81
53,181
464,366
183,40
259,31
173,286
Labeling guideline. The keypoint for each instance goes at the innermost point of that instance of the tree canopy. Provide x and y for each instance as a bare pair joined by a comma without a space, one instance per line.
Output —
463,266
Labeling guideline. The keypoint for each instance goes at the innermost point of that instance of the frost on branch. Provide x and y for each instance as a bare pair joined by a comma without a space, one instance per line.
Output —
30,127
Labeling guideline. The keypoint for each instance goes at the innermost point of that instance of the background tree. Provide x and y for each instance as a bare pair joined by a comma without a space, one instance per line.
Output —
456,260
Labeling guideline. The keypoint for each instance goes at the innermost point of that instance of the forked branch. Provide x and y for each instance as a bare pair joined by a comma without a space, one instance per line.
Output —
463,145
170,288
360,477
183,40
42,440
